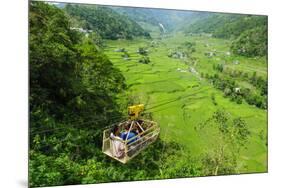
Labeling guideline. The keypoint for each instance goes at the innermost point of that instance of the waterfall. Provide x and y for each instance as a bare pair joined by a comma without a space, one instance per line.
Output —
162,27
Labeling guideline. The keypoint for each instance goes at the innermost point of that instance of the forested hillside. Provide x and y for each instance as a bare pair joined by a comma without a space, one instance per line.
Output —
252,42
71,84
171,19
73,88
105,21
236,27
211,104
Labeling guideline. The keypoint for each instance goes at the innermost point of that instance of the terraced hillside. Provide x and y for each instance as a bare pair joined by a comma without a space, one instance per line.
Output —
180,99
202,78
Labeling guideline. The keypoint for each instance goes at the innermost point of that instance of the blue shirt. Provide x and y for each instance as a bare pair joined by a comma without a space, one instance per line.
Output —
131,135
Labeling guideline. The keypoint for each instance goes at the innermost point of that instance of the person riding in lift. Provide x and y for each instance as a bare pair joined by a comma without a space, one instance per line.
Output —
118,149
128,134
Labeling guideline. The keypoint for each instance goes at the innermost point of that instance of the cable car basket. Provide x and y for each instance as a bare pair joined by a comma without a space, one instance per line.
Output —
130,147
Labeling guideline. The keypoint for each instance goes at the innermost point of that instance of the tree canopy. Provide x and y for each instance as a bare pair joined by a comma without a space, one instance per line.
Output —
74,91
72,83
106,22
249,32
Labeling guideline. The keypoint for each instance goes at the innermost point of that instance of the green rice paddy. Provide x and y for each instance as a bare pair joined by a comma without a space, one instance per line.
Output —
180,99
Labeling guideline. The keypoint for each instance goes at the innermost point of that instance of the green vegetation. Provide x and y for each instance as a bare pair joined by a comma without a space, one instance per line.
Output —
153,17
231,133
227,25
210,102
251,43
71,84
105,21
231,88
249,32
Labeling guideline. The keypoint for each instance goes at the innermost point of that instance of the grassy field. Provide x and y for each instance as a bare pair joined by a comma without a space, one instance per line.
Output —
180,99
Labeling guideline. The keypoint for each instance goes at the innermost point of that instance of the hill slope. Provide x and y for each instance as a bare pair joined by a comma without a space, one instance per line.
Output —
170,19
227,25
249,32
105,21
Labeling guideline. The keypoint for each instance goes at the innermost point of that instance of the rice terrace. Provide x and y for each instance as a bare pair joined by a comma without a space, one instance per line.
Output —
199,79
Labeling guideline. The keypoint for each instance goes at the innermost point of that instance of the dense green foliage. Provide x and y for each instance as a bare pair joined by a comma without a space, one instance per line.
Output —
224,81
251,42
232,133
227,25
106,22
78,86
170,19
68,75
72,88
71,84
249,32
